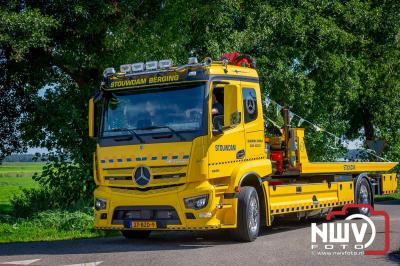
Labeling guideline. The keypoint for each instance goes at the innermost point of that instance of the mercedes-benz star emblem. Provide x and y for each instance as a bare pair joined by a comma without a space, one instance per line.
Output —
142,176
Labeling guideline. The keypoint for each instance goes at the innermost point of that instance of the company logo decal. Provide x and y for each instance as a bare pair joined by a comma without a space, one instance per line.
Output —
231,147
143,81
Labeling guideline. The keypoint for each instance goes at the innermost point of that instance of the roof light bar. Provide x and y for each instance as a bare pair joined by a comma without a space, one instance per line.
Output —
151,65
192,60
125,68
108,71
167,63
137,67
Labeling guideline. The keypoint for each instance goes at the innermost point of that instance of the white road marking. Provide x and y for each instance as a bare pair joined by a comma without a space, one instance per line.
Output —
21,262
87,264
380,218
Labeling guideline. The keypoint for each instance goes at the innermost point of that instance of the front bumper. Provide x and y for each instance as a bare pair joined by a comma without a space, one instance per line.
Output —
166,207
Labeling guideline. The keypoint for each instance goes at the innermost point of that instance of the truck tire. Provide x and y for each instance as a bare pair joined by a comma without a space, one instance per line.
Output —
248,219
363,195
135,234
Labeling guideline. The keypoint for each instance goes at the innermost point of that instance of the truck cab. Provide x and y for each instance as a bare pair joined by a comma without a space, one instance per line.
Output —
183,148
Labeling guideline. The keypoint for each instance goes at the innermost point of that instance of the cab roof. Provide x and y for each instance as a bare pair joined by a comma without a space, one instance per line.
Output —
181,74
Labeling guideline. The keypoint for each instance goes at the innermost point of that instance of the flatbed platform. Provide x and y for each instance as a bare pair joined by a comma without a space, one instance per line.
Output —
345,167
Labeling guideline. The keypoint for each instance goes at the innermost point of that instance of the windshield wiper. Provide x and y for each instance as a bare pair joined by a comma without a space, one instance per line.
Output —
167,127
132,131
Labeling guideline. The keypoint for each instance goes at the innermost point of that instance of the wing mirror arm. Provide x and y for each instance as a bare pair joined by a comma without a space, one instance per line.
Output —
218,125
217,132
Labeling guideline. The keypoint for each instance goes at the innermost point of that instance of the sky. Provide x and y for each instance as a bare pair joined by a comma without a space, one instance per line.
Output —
35,150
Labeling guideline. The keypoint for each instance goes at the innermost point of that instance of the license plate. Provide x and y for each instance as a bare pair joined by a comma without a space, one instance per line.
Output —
144,224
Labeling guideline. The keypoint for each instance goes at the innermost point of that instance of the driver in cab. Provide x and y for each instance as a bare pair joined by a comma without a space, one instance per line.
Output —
217,108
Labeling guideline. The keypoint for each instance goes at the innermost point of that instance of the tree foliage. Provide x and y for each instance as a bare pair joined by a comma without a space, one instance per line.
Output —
20,34
334,62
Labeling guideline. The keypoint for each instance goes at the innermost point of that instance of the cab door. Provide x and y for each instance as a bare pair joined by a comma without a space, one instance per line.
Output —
253,121
227,146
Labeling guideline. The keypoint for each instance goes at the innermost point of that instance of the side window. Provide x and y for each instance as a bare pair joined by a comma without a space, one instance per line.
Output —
217,109
249,104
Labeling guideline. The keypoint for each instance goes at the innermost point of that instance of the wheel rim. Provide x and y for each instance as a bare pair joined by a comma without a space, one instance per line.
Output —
253,215
363,197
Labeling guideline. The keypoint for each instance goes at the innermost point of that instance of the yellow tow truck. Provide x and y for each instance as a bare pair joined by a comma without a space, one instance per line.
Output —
184,148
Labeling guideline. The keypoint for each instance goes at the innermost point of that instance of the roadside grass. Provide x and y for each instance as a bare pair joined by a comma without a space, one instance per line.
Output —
393,196
18,169
50,225
13,178
43,226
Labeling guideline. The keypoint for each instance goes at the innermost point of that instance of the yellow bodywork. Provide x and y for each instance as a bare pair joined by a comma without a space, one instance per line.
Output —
389,183
201,168
285,199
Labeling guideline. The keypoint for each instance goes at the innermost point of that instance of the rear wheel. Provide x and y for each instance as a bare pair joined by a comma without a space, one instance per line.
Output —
363,195
248,220
135,234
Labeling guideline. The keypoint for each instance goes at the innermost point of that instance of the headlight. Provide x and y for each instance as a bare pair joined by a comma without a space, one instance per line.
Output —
196,202
100,204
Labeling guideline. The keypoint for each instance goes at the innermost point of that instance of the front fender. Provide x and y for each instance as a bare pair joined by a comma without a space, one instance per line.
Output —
260,168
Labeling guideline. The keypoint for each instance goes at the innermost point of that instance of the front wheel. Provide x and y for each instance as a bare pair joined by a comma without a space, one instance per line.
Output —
135,234
248,220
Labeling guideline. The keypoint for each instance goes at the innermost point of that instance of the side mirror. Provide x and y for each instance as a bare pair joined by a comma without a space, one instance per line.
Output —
218,124
235,119
91,118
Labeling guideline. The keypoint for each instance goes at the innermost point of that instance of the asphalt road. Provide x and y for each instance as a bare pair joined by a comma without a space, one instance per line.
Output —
285,243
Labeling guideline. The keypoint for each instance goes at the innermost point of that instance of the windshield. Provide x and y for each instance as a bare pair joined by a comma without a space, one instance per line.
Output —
175,109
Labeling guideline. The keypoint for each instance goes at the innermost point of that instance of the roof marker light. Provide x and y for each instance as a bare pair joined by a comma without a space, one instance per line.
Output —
165,63
108,71
192,60
151,65
207,61
125,68
137,67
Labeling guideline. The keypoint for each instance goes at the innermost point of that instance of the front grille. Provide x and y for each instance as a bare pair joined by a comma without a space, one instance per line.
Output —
114,178
148,188
122,176
163,215
178,175
168,169
121,171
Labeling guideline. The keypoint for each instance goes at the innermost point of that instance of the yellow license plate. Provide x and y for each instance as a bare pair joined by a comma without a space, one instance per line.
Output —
144,224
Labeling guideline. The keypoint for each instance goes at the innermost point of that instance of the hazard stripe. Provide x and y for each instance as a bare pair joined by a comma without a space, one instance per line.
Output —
320,205
153,158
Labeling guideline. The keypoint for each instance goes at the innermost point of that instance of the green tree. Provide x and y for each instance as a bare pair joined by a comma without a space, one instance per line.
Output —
335,62
20,34
63,71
